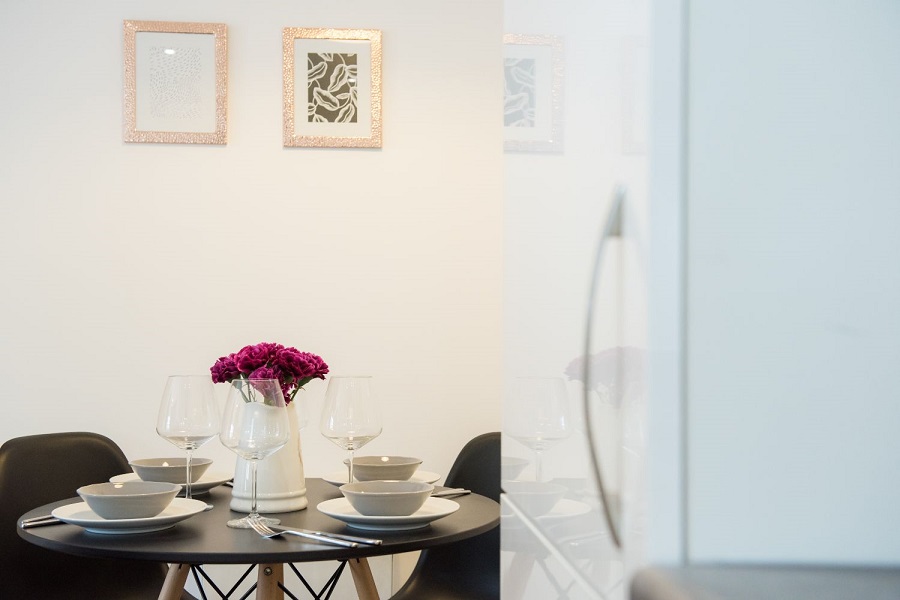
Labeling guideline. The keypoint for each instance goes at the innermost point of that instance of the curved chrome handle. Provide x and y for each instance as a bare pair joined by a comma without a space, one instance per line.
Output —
611,228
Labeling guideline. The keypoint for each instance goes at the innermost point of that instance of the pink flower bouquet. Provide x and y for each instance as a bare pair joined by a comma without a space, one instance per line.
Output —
292,368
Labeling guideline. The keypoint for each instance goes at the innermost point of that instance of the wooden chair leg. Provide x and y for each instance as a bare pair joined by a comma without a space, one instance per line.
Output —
362,578
267,580
173,586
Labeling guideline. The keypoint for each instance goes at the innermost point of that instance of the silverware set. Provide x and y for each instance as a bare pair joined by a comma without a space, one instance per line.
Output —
38,521
348,541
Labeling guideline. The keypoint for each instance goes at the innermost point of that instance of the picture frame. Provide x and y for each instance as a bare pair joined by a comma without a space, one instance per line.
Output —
175,83
533,72
337,73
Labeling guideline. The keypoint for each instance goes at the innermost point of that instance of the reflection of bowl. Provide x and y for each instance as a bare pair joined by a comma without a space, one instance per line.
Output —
512,466
131,500
394,468
534,498
170,470
387,498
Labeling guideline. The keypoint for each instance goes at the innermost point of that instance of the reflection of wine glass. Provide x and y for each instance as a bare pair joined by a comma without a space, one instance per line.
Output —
350,416
255,425
188,416
539,417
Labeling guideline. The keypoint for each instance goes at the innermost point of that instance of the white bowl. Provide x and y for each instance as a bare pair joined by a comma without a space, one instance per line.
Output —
132,500
535,498
387,498
385,468
170,470
512,466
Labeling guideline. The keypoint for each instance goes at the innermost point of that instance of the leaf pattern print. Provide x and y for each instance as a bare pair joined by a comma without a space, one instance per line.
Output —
519,92
331,88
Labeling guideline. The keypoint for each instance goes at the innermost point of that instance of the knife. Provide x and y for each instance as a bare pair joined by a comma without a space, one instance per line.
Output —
450,492
338,536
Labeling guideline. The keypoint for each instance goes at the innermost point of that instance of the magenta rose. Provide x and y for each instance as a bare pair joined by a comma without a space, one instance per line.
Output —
301,365
293,369
250,358
265,373
225,370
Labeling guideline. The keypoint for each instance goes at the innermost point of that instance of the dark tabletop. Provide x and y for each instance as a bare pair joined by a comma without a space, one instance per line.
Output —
205,539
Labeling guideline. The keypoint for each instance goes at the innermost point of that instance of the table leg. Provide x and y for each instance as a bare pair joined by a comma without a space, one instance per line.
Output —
173,586
362,578
267,580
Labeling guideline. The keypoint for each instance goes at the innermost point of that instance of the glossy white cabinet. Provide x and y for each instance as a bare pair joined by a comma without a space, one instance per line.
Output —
792,208
556,542
763,254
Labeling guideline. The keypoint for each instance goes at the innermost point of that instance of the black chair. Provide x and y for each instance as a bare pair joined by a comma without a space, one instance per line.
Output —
469,569
36,470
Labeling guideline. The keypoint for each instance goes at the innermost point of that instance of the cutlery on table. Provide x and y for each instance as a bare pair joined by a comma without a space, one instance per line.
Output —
264,530
340,536
450,492
38,521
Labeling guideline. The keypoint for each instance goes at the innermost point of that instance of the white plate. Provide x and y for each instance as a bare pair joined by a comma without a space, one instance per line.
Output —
433,509
79,514
562,510
340,477
565,509
202,486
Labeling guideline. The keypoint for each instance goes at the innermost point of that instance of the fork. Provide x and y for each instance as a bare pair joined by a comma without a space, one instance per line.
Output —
264,530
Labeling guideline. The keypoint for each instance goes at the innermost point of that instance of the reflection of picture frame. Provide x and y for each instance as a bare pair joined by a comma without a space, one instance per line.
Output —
332,88
175,82
533,93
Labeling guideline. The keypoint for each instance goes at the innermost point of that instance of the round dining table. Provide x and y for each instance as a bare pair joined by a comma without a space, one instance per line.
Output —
204,539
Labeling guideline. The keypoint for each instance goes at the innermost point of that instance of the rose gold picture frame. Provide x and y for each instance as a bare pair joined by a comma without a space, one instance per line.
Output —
533,71
175,84
332,88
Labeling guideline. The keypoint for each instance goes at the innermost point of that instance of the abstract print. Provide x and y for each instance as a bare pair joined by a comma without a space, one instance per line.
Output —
519,92
331,89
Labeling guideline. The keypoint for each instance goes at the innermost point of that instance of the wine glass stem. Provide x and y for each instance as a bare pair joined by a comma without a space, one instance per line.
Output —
350,467
538,466
254,514
187,474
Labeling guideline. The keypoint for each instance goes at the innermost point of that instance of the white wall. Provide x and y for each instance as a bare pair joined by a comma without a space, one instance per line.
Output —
125,263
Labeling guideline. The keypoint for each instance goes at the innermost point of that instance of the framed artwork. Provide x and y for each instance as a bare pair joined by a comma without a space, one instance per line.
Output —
175,82
332,88
533,93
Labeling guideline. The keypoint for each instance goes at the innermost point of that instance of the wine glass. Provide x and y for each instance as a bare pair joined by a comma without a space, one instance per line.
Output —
350,415
539,416
188,416
255,425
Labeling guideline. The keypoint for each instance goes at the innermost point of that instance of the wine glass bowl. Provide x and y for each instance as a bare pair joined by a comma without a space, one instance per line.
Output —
350,416
255,425
188,417
540,416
